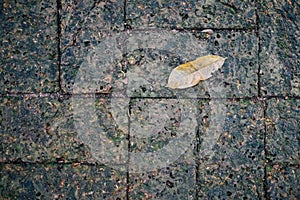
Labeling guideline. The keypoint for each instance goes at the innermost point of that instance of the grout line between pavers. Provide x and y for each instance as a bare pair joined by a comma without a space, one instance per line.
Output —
74,163
265,104
128,152
258,50
196,150
265,183
128,118
58,19
250,29
78,162
108,96
125,25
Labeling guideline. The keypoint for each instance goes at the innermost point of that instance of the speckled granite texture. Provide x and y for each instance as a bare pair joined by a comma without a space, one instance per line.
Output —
85,114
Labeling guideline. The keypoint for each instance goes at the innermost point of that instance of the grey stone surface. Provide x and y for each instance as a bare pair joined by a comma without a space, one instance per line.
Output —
283,182
84,25
61,181
190,14
146,65
239,74
60,140
279,55
39,129
177,181
104,130
283,131
158,126
28,55
235,167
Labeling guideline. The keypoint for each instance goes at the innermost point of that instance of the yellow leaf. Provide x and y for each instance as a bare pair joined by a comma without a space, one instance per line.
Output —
191,73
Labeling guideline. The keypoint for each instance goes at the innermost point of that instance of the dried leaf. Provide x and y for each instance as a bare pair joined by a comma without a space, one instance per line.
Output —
191,73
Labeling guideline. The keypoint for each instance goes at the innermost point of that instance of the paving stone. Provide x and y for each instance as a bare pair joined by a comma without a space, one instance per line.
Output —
160,131
102,125
126,51
282,141
144,67
279,55
39,129
239,74
84,25
161,160
234,166
28,55
190,14
60,181
176,181
74,146
283,182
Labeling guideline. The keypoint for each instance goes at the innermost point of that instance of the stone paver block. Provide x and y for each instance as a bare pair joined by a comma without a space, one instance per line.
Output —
28,55
279,55
283,182
238,76
39,129
162,132
84,25
102,125
234,168
144,68
190,14
60,181
176,181
283,131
